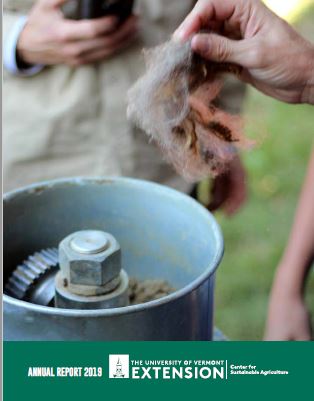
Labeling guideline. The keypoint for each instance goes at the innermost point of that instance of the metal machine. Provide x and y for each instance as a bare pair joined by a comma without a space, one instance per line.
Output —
71,246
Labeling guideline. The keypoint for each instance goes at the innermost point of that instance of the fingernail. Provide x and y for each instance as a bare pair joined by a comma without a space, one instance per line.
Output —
199,43
194,42
177,35
180,34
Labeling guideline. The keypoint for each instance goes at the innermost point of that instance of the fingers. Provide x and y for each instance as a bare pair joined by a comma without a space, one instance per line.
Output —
192,24
282,334
221,49
128,29
99,54
89,51
204,14
86,29
51,4
202,11
214,47
303,336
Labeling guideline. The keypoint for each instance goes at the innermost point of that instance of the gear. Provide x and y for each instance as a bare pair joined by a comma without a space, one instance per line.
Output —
33,280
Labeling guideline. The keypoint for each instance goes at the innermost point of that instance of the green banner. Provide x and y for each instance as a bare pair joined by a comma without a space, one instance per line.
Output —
157,370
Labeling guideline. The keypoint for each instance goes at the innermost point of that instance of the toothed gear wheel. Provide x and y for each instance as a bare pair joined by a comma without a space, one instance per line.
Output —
33,280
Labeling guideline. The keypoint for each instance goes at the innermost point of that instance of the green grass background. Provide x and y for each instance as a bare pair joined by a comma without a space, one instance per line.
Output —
256,237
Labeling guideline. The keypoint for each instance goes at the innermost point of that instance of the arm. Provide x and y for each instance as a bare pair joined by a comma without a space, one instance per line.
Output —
275,58
288,318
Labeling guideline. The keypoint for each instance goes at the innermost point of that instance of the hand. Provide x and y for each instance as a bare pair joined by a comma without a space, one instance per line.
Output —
48,38
288,318
229,191
275,58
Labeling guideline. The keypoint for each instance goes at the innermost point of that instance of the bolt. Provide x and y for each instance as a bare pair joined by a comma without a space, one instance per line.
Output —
90,260
89,242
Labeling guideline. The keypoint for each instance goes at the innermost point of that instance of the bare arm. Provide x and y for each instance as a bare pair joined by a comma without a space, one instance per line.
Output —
288,318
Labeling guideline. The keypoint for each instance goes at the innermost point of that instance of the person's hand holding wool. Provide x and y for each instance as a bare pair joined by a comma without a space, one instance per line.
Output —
274,57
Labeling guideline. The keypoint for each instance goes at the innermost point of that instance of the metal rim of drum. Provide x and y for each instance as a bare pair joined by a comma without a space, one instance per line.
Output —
79,181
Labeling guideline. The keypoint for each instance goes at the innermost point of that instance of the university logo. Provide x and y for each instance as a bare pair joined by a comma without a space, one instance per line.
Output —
119,366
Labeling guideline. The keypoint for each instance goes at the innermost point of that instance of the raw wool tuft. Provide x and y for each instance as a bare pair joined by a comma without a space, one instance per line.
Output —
173,104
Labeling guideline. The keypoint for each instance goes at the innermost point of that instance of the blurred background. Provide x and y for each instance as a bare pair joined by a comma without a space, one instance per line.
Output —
255,237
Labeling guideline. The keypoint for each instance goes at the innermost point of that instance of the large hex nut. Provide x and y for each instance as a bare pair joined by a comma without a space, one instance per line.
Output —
84,263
